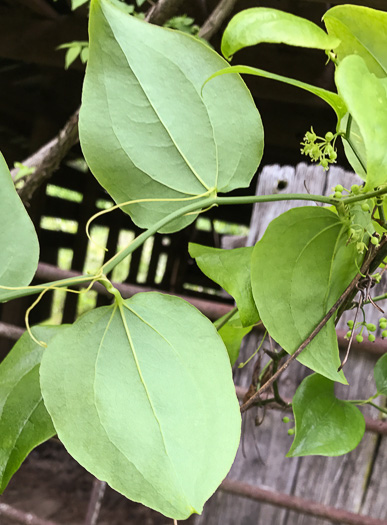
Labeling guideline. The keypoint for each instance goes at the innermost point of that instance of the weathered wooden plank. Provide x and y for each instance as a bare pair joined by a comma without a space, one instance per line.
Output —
338,482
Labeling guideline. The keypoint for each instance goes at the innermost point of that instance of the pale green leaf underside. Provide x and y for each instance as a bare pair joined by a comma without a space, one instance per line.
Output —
325,425
156,413
24,421
232,334
146,131
380,374
19,245
366,99
299,269
261,24
362,32
231,270
329,97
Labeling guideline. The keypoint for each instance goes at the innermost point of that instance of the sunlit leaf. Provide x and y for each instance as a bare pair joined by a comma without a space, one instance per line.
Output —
325,425
263,24
147,385
329,97
231,270
366,99
160,138
380,374
19,251
24,420
362,31
77,3
299,269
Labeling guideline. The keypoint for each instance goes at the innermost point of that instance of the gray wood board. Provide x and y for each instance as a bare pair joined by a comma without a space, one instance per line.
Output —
351,482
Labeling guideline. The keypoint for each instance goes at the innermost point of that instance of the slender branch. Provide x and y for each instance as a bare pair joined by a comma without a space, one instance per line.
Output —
163,11
366,265
95,502
48,158
216,18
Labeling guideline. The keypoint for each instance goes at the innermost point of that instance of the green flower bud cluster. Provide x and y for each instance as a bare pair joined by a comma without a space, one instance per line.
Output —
383,326
320,149
362,325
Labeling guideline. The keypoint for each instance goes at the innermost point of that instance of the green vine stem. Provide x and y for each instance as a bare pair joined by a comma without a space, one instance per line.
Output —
192,207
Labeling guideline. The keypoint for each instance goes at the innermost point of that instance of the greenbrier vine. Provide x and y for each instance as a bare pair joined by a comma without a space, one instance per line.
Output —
135,378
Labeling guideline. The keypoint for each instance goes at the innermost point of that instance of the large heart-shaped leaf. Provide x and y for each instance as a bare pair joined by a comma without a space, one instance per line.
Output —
24,420
263,24
155,411
362,32
231,270
325,425
380,374
19,247
145,129
299,269
366,99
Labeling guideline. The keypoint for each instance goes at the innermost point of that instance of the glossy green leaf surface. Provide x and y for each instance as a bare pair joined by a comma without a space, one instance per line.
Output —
159,138
232,334
148,386
299,269
329,97
366,99
19,245
263,24
24,420
380,374
231,270
325,425
362,32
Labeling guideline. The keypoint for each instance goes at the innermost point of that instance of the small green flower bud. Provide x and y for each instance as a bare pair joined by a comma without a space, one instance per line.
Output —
350,323
338,194
365,207
383,325
291,432
384,334
374,241
348,334
286,419
359,338
333,156
324,163
371,338
329,136
371,327
355,188
339,187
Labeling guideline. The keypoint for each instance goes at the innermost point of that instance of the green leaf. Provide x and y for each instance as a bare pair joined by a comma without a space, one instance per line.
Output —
160,139
358,159
231,270
380,374
261,24
147,385
325,425
19,252
366,99
329,97
299,269
232,334
24,421
77,3
362,32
